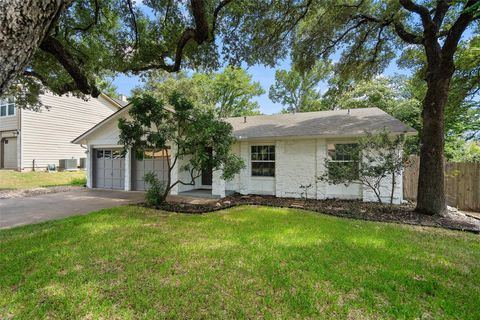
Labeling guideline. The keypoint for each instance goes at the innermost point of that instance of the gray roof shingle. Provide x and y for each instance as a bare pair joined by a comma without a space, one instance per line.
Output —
321,123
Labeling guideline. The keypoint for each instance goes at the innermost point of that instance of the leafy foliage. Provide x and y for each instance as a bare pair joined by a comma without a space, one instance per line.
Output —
188,131
298,91
228,93
155,193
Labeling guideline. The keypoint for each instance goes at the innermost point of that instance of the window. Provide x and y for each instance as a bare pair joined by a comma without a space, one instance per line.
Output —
117,154
7,107
263,161
343,160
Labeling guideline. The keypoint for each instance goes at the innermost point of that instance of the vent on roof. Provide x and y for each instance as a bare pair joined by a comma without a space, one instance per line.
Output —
244,119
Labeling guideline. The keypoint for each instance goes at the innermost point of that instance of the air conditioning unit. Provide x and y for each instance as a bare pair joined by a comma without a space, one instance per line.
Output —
83,163
68,164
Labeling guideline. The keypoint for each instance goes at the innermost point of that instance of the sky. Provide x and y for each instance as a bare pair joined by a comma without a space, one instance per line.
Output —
264,75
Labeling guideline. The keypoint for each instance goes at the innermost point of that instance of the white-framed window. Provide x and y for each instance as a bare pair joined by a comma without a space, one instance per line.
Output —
7,107
344,158
263,161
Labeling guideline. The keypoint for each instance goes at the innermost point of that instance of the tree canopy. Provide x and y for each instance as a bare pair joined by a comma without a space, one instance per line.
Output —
229,93
298,91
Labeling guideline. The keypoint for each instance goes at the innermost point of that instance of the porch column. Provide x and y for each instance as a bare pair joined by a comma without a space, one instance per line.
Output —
244,176
218,184
89,166
174,174
128,170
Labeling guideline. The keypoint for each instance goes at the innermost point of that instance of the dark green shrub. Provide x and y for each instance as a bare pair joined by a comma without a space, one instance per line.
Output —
155,195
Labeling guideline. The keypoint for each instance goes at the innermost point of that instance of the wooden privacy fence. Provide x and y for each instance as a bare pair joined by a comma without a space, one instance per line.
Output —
462,183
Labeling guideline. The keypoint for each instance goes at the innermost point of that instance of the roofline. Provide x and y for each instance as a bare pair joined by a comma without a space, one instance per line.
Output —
409,132
322,136
109,99
100,124
106,120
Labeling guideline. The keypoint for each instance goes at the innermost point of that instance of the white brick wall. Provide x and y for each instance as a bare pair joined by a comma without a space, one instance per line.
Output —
385,191
296,164
218,184
299,162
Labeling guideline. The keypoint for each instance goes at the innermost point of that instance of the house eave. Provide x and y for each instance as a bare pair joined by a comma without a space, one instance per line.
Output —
317,136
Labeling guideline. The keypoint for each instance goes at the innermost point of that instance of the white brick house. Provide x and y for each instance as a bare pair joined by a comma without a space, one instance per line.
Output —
281,152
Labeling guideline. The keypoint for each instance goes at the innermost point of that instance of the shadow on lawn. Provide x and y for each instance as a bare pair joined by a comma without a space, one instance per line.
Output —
247,261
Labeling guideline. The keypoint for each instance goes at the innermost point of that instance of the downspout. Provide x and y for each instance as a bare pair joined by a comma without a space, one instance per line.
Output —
19,140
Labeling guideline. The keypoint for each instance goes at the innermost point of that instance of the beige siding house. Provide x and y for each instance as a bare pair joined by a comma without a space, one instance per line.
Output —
33,140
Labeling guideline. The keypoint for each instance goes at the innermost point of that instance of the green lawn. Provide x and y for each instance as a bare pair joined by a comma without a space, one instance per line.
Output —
27,180
246,262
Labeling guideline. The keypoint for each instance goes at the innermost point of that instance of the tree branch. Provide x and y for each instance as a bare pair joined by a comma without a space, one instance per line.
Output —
216,12
200,33
422,11
81,82
405,35
134,21
457,29
440,12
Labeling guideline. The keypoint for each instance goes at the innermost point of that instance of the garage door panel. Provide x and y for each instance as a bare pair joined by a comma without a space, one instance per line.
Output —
117,164
157,165
148,165
109,169
118,183
108,183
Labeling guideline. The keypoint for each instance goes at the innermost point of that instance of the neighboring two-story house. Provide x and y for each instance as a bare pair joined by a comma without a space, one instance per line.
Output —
33,140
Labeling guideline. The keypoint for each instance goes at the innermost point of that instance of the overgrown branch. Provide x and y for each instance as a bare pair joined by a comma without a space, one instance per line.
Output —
81,82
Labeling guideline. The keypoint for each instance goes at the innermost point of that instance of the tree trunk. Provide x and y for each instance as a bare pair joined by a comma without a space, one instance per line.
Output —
23,25
393,187
431,191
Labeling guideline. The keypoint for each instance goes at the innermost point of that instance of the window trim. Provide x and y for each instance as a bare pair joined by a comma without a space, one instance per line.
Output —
330,160
6,104
263,161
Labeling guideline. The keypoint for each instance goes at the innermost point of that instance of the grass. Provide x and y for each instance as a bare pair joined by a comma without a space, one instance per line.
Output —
27,180
245,262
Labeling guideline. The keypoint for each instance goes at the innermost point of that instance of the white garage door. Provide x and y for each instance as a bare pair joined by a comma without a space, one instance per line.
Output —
9,153
152,161
109,168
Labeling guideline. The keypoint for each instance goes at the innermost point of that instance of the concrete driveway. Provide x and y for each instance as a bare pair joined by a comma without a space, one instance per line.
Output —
26,210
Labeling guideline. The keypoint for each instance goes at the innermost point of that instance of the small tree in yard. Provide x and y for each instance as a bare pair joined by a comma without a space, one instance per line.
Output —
373,159
191,132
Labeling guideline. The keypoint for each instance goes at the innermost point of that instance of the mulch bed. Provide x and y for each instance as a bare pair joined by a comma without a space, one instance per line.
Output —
352,209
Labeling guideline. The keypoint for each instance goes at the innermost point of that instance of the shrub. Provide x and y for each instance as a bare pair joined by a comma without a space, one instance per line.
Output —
155,195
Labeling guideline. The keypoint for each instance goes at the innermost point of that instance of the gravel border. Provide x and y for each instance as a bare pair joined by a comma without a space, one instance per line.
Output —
351,209
22,193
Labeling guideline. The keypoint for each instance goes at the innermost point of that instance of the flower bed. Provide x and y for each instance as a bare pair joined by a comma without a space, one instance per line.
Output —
353,209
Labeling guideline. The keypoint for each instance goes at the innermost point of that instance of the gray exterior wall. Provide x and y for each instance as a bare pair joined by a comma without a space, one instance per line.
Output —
47,135
8,129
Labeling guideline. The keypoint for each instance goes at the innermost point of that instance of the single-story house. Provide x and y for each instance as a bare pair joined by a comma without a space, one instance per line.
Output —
281,153
32,140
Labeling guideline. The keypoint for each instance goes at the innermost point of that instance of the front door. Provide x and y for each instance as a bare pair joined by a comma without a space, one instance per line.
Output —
207,172
9,153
